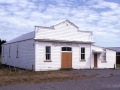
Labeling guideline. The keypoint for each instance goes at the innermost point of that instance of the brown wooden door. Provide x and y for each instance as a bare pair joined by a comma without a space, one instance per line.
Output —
117,59
95,60
66,60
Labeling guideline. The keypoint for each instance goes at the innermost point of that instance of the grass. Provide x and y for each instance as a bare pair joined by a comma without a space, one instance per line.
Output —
117,65
25,77
8,77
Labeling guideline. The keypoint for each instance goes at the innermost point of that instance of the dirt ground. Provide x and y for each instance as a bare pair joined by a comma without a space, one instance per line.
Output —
18,76
106,79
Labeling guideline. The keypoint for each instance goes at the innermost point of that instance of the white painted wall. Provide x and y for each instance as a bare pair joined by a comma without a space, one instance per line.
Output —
76,60
26,54
56,56
40,57
110,58
35,55
64,31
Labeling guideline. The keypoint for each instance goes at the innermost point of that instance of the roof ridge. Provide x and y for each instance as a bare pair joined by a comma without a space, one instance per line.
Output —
68,22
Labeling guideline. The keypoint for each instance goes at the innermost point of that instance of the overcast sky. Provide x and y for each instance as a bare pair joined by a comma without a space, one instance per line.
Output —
100,16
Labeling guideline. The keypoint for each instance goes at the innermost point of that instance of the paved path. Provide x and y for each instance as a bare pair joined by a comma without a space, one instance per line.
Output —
106,80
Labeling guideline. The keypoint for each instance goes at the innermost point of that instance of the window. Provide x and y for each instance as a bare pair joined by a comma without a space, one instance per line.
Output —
103,57
82,53
3,51
117,53
66,49
48,53
9,51
69,49
17,52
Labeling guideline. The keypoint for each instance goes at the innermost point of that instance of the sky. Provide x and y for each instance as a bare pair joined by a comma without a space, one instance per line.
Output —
100,16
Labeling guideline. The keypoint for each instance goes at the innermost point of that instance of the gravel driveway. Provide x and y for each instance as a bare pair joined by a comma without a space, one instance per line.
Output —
105,80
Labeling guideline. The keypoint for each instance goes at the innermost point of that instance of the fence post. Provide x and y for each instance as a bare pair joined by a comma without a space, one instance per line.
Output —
14,68
9,68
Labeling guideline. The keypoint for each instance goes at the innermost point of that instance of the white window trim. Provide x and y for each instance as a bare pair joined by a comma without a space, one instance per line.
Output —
17,52
104,60
3,52
9,51
66,51
82,53
47,60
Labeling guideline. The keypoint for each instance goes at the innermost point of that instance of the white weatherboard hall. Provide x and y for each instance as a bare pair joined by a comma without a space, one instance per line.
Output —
58,47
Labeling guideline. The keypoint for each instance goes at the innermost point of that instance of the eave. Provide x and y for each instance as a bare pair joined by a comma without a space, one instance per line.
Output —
51,40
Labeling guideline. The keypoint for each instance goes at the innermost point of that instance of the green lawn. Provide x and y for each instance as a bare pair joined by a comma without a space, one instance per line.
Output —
117,65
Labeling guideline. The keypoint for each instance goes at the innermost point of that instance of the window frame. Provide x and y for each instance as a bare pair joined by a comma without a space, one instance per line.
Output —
9,51
104,56
66,49
82,54
47,53
3,51
17,52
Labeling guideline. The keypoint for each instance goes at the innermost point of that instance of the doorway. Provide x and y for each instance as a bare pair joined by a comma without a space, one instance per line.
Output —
95,60
66,54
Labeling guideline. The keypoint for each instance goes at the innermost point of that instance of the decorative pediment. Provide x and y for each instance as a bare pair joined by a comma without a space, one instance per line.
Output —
64,31
67,22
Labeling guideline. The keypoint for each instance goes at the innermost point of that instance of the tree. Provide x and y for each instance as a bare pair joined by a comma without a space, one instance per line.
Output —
1,42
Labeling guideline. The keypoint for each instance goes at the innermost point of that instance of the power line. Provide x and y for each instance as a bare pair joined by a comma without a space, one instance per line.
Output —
89,8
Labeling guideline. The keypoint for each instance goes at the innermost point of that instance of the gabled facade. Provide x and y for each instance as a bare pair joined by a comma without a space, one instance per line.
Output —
57,47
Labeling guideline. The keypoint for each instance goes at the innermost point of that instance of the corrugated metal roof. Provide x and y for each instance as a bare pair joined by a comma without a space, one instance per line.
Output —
98,50
26,36
115,48
105,47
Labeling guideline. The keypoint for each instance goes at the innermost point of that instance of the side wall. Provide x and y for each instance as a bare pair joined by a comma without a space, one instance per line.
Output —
110,58
26,54
56,56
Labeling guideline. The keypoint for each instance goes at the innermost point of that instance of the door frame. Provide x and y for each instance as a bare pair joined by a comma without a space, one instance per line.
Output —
95,65
66,52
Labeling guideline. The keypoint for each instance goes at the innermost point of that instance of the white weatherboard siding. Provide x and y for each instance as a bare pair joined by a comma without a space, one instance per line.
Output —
110,58
4,54
65,33
40,57
32,46
26,54
76,59
56,56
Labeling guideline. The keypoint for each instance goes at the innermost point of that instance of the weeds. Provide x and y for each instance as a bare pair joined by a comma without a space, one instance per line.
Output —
10,77
22,76
117,65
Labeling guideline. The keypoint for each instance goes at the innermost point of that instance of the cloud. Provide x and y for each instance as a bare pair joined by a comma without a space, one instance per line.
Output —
7,1
99,16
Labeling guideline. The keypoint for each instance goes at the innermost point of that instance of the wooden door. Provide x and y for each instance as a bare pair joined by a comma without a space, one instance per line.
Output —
95,60
117,59
66,60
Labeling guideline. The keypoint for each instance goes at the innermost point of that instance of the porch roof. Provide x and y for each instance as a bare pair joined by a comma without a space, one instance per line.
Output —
98,50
